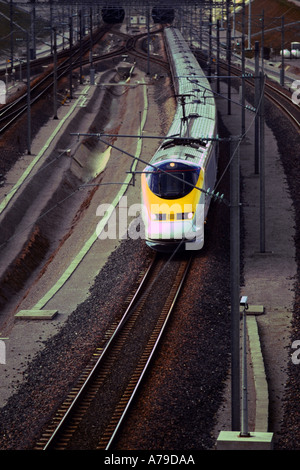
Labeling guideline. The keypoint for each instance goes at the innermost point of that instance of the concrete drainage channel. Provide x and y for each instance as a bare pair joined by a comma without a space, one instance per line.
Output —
259,438
36,212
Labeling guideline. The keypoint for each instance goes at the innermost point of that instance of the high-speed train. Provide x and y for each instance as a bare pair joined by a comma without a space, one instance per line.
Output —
176,183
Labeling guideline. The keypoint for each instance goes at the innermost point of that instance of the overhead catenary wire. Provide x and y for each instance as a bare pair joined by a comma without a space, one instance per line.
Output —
40,217
208,193
30,176
241,137
99,135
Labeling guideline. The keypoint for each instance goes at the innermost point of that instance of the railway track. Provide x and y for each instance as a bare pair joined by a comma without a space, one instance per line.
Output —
132,45
284,102
94,403
11,112
278,95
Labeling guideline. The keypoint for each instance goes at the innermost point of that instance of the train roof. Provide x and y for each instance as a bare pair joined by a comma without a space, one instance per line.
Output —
192,84
195,115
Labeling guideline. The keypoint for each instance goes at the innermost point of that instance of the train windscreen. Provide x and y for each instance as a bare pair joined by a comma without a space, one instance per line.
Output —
172,180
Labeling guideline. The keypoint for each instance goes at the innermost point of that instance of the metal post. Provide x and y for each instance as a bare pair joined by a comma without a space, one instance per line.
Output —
222,14
282,54
244,422
51,25
63,26
28,97
228,59
148,40
243,70
209,41
33,32
80,46
262,39
91,37
92,70
235,282
218,56
83,19
249,25
262,163
71,47
257,95
55,75
11,36
201,25
233,21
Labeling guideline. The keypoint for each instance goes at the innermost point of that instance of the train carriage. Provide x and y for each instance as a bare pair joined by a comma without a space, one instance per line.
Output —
175,183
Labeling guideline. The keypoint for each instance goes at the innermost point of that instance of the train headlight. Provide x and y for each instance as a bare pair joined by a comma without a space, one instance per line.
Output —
185,216
156,217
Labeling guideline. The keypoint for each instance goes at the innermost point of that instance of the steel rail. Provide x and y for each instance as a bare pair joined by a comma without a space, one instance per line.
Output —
294,108
289,102
56,434
8,111
143,55
113,434
63,68
89,373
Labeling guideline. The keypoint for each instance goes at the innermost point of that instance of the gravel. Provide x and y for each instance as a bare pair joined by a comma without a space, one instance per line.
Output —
55,369
288,140
192,367
178,405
